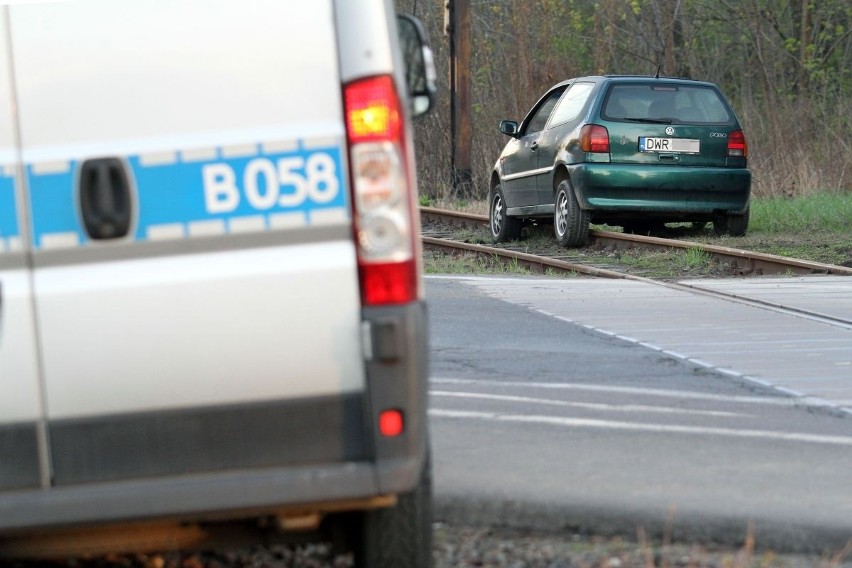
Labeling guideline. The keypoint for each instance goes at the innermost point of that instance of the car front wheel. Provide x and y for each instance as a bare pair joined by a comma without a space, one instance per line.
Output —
570,222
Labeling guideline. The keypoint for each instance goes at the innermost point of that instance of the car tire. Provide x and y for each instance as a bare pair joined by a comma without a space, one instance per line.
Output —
400,535
503,227
731,224
570,221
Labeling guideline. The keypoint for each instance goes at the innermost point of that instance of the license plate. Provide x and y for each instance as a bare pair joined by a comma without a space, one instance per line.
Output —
678,145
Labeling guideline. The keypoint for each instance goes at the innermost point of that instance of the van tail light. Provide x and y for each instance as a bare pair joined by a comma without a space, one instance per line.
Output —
382,186
594,138
737,145
391,423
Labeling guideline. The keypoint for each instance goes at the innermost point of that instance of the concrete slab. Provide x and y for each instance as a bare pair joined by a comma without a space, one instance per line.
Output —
802,356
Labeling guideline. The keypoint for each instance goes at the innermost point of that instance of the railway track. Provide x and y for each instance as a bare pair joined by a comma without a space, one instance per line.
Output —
747,262
744,262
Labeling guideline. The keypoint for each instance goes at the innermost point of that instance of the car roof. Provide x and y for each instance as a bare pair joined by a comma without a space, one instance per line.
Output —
634,79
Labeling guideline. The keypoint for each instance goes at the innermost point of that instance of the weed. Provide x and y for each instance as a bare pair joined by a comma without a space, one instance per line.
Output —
694,258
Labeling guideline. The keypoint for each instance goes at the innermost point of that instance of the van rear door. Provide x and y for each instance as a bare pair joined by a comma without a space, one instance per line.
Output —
21,417
194,272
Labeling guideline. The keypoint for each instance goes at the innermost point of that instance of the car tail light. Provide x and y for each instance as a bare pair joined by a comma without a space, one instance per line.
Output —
594,138
382,185
737,145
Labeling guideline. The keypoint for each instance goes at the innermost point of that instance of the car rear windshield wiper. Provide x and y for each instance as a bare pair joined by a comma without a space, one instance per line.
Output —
649,120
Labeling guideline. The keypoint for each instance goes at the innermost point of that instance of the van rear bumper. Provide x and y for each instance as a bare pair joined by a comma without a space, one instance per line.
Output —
199,497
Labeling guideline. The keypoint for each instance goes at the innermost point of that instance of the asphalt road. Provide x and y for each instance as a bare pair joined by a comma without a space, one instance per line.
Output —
541,422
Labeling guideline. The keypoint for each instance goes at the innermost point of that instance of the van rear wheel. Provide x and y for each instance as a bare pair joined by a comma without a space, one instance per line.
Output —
400,535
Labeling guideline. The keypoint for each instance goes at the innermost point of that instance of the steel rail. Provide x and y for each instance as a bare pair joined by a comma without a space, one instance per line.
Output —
533,262
747,262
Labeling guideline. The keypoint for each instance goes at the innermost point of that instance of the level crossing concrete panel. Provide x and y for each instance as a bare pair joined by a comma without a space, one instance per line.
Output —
824,294
792,351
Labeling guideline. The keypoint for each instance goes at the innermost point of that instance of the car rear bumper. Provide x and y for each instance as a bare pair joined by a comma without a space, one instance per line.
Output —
616,188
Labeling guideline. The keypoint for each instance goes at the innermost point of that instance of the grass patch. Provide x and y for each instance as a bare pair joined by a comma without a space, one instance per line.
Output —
822,212
470,263
653,264
694,258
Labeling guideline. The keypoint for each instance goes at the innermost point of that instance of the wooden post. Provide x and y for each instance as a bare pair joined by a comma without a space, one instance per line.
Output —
460,94
669,68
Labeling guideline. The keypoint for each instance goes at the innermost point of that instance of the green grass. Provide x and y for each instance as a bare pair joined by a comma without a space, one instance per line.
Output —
823,212
817,227
654,264
694,257
478,264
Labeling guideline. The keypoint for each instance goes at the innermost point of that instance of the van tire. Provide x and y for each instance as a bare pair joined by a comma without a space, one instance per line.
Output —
400,535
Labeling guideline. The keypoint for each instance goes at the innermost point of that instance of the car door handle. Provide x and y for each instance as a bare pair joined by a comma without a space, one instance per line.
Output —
534,146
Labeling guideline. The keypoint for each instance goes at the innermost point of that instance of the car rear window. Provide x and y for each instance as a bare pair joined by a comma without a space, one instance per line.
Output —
671,103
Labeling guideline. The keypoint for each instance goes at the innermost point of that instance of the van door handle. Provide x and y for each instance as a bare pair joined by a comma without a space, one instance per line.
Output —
534,145
105,200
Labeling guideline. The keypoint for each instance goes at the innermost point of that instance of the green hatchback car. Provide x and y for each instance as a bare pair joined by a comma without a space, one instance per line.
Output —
634,151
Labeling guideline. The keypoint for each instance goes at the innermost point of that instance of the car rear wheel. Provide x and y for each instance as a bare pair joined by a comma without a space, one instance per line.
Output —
734,225
570,222
503,227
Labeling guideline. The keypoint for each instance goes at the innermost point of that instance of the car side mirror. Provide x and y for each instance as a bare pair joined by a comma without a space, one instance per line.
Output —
419,64
509,128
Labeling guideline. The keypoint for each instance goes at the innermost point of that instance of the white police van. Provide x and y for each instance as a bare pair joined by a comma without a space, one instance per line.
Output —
210,285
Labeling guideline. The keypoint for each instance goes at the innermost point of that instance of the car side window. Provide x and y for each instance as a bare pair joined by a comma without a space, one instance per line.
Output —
542,113
570,105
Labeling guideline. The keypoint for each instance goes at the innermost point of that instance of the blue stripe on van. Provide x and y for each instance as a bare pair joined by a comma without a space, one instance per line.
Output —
53,208
8,210
301,184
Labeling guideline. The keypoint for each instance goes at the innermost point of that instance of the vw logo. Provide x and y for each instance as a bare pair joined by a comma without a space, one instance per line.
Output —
669,130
